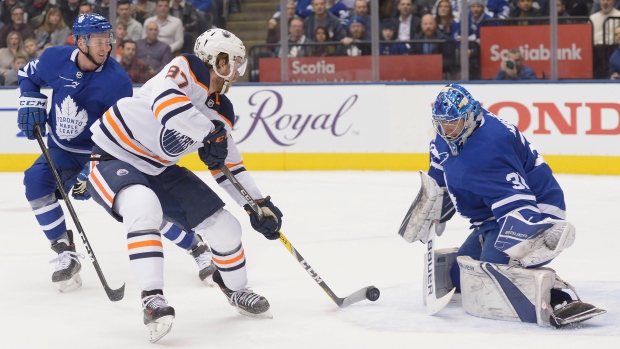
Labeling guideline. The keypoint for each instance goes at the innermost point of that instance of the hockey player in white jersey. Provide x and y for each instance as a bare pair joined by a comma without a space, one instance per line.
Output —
139,141
487,170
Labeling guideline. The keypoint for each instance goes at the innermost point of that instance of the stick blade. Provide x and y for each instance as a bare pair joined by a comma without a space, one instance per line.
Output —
115,295
358,296
434,305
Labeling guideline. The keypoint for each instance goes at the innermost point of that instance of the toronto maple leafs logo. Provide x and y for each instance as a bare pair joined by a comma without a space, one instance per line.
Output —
173,143
70,121
435,154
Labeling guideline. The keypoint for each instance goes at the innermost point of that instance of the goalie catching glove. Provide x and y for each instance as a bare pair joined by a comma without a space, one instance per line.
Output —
215,149
271,222
534,244
431,205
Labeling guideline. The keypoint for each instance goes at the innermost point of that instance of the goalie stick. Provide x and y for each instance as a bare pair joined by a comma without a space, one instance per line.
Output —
434,304
371,293
113,295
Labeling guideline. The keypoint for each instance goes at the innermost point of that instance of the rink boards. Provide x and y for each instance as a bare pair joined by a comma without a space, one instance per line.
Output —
387,127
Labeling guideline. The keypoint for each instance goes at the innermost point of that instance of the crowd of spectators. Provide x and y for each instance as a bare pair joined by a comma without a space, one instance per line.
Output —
149,32
426,27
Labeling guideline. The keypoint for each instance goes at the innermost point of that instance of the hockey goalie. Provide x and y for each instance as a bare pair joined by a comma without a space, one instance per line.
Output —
483,168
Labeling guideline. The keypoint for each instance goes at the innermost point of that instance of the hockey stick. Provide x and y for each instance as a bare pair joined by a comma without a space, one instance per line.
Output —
434,304
114,295
371,293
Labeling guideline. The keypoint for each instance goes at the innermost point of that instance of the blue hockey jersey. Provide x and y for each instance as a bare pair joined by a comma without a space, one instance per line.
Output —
497,171
78,99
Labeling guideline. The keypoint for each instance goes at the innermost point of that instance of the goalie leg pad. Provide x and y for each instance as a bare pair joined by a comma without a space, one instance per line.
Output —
500,292
444,259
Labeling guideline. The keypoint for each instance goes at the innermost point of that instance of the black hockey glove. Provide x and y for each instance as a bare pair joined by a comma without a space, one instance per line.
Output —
272,218
215,148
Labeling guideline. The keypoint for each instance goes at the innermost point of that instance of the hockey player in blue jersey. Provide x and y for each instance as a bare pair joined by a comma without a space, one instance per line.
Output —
485,169
85,84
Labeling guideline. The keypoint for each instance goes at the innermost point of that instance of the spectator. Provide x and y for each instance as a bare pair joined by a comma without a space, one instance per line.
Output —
20,60
388,31
205,15
273,27
598,19
296,36
70,10
53,30
614,60
156,54
120,32
524,9
30,46
138,71
428,46
5,11
361,10
500,8
102,7
85,8
476,16
512,68
339,10
446,23
25,30
321,34
7,54
134,28
357,27
186,12
170,28
322,18
409,24
143,9
36,10
561,6
596,6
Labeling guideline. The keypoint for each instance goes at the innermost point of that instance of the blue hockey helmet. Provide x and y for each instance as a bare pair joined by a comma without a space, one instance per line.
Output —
453,104
92,23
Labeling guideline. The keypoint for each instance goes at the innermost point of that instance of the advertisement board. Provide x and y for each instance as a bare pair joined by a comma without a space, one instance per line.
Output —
574,49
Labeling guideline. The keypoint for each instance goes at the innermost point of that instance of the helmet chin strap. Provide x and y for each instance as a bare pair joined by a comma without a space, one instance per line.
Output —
226,79
87,54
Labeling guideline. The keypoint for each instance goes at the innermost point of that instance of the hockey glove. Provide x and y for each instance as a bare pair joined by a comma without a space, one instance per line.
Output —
272,218
215,148
79,188
32,112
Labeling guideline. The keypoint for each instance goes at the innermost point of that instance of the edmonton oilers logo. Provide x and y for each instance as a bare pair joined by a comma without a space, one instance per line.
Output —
226,34
210,103
122,172
173,143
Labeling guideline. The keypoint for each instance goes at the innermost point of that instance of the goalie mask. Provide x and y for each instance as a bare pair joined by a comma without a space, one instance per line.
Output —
456,114
215,41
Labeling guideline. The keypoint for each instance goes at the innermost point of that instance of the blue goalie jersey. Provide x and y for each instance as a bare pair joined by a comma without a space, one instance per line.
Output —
78,99
497,171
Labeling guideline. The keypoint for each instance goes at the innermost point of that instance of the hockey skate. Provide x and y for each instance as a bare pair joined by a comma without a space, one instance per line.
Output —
202,256
573,312
68,266
158,315
245,300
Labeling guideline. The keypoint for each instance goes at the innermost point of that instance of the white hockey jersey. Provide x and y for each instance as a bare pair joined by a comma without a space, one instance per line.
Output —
169,118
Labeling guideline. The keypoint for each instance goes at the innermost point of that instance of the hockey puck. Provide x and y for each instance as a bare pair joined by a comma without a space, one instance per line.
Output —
372,293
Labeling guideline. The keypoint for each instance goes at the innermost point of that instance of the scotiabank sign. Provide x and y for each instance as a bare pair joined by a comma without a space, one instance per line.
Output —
344,69
574,49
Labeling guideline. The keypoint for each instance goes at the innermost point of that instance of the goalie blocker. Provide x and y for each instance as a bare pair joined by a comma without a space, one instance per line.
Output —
513,293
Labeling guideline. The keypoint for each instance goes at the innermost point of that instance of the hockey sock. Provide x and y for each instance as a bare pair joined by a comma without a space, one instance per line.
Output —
146,257
178,236
232,267
49,214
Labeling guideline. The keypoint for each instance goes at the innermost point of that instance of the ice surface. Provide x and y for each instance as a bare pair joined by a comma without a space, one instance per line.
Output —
345,224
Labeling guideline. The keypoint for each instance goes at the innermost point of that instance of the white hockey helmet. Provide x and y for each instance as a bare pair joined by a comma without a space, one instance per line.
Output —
215,41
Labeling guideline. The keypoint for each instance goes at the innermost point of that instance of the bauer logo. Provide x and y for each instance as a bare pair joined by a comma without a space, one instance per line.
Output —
122,172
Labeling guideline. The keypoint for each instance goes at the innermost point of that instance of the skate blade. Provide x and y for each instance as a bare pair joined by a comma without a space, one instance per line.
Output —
160,328
574,320
70,285
264,315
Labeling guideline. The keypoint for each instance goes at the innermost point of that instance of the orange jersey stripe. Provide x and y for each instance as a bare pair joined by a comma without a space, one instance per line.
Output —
229,261
93,176
127,141
144,244
169,102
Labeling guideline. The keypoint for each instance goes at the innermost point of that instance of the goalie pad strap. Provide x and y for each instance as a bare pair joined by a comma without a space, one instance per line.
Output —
495,291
